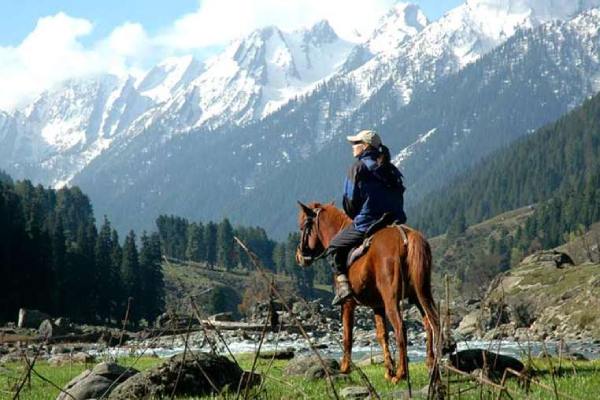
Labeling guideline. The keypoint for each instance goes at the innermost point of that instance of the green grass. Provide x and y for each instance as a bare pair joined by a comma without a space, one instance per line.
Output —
584,384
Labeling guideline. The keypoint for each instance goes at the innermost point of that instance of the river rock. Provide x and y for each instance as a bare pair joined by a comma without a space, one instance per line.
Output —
31,318
66,358
97,382
375,359
162,379
354,392
301,365
469,325
277,355
472,359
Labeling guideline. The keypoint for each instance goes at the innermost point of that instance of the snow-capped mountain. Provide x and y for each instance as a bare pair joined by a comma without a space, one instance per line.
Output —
253,77
64,129
273,102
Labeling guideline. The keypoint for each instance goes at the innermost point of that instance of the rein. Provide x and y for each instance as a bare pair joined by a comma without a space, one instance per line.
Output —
307,228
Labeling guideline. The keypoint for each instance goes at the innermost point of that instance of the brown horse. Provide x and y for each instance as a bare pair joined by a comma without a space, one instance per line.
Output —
388,273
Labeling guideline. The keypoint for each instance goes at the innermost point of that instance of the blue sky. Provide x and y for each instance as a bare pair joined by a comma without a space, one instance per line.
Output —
154,15
45,42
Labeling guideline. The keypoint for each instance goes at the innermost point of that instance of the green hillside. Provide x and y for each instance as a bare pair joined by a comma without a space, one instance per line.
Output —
556,161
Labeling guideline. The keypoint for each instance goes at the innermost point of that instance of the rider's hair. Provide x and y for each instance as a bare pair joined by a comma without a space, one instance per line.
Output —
384,154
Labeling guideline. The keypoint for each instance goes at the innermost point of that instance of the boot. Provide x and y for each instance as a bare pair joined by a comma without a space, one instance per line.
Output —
342,289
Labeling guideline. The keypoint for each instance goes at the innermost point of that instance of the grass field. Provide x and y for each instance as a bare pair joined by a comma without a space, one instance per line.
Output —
580,381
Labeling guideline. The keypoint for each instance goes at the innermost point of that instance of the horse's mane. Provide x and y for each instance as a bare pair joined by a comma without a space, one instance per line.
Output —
334,214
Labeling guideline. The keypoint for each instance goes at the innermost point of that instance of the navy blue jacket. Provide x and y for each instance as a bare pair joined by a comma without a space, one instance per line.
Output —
371,190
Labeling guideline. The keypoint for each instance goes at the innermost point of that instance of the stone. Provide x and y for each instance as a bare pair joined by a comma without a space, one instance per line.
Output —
375,359
550,258
96,383
48,329
473,359
354,392
67,358
300,365
31,318
161,380
277,355
469,325
222,317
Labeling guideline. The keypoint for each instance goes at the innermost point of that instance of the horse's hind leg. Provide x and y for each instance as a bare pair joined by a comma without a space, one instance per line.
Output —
395,317
429,360
347,326
382,338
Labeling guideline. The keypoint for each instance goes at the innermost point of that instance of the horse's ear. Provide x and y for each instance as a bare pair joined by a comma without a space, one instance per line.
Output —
307,210
332,202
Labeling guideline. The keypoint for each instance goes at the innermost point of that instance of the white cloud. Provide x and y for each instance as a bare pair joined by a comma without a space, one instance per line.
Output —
217,22
53,51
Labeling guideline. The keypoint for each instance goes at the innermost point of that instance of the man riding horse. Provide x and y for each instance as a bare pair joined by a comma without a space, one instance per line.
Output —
373,188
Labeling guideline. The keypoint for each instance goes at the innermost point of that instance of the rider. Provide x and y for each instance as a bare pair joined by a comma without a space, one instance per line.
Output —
373,188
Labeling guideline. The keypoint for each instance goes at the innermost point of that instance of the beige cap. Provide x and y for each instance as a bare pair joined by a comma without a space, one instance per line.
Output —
366,136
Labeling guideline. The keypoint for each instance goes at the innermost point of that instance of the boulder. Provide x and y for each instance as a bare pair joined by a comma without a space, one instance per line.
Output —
354,392
301,365
96,383
222,317
469,325
277,355
67,358
473,359
187,375
48,329
31,318
375,359
550,258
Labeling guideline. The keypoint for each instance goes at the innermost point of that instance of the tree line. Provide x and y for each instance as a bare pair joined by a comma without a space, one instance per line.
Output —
212,243
553,165
53,258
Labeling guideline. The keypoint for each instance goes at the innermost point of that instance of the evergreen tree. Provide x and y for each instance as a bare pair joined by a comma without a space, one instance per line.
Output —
225,252
210,238
130,273
152,286
196,248
104,270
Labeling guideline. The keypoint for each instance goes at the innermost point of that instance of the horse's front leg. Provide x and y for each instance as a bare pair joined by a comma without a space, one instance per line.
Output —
347,326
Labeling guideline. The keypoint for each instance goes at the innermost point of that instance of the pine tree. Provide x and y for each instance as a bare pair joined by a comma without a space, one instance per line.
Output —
152,287
210,238
130,273
225,253
104,268
196,248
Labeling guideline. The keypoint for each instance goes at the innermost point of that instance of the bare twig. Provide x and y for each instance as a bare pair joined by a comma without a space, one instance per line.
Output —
261,271
185,348
27,373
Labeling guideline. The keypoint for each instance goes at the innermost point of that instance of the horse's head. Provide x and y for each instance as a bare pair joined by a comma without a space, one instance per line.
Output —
311,247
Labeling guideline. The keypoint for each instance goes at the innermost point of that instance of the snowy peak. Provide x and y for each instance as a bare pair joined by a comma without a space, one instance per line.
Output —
402,21
500,18
164,79
320,33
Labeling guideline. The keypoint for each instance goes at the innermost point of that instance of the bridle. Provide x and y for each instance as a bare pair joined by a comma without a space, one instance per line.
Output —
311,222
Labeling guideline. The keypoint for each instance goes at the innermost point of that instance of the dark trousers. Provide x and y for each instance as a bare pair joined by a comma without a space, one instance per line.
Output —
341,245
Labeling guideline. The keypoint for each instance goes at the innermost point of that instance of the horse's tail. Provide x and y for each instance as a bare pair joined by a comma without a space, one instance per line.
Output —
419,273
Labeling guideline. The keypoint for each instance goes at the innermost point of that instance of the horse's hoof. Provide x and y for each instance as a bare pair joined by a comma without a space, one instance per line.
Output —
398,378
388,376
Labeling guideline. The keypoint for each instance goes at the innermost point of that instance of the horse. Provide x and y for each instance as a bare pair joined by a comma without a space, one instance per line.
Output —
386,274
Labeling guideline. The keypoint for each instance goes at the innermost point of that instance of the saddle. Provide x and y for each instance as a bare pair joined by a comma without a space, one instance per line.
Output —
383,222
